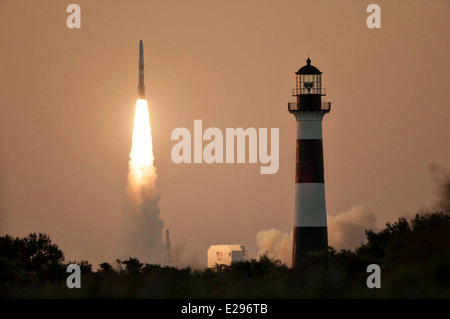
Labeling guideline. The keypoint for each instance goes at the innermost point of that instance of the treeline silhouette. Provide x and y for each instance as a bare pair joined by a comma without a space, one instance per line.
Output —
414,257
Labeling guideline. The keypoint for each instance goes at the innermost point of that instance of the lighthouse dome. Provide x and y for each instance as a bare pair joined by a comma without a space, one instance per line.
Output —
308,68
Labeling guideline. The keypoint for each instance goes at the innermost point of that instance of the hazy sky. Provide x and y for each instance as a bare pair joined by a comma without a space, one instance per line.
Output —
67,99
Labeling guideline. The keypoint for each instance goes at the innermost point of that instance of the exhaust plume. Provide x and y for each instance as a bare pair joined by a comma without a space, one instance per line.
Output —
182,257
441,177
142,228
276,244
346,230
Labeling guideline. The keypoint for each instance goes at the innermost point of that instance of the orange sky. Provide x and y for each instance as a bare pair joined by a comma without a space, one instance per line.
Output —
67,99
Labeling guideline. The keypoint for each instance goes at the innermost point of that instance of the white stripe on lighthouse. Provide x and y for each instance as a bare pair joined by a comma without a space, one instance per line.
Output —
310,205
309,130
309,125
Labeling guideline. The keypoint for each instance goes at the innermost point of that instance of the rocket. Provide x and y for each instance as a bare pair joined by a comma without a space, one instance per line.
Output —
141,86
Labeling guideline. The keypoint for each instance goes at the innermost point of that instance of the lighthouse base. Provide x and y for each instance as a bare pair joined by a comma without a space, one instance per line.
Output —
308,239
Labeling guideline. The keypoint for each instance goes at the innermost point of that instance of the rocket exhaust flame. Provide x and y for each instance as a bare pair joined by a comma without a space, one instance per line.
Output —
141,156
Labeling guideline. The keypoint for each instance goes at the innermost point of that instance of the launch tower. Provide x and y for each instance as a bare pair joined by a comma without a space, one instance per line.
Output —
168,261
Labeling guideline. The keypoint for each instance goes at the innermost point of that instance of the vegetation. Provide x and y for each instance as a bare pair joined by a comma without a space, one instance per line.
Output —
414,257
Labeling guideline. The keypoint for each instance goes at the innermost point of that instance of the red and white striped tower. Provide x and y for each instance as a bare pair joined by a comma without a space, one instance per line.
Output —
310,221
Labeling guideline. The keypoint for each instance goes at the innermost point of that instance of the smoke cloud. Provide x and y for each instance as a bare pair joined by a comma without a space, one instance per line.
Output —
441,177
183,257
142,228
346,230
276,244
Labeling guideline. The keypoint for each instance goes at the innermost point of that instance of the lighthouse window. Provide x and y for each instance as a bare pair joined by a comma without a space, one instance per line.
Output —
309,84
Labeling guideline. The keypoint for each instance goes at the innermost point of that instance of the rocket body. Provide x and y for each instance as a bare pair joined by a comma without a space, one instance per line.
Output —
141,86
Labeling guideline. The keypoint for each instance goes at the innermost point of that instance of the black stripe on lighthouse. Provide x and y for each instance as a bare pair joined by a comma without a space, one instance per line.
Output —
309,167
308,239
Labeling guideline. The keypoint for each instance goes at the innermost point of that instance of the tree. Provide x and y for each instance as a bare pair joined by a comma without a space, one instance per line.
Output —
40,253
106,268
24,258
132,266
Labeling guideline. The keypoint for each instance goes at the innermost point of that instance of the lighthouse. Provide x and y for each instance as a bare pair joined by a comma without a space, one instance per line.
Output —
310,219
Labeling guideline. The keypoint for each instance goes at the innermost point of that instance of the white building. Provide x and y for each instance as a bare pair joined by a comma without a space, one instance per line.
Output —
225,254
